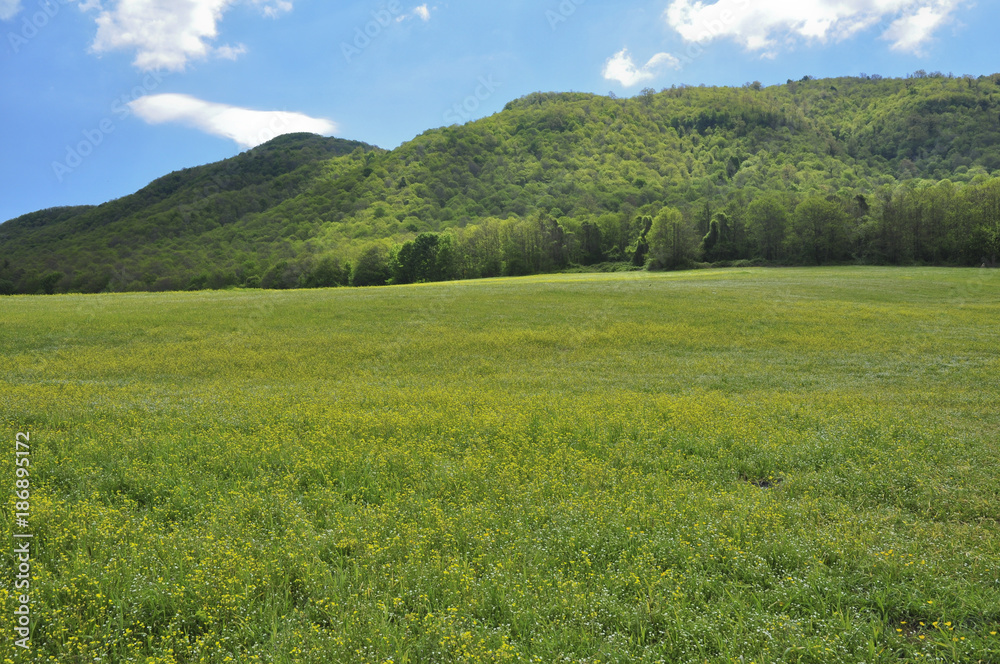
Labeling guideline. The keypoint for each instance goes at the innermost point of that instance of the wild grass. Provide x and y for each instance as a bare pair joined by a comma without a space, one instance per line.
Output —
718,466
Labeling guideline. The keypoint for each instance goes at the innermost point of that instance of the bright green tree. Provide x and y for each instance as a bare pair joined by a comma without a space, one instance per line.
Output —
671,241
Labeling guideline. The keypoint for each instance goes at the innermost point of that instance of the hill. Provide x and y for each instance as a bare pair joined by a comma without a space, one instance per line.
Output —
849,169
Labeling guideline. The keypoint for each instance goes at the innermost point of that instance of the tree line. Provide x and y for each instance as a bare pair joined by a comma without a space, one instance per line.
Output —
913,223
916,223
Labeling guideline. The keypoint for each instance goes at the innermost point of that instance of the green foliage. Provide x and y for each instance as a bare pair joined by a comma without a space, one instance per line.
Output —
445,259
557,180
49,282
819,231
591,243
639,249
282,275
712,242
767,223
372,267
671,242
327,272
417,261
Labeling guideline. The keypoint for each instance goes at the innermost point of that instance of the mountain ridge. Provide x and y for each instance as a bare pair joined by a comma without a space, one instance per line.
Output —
574,158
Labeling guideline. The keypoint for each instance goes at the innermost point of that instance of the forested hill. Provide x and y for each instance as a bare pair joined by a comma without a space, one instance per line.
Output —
848,169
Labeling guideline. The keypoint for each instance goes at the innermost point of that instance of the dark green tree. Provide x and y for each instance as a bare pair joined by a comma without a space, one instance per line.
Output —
445,259
325,273
590,243
49,282
819,231
767,222
416,261
371,267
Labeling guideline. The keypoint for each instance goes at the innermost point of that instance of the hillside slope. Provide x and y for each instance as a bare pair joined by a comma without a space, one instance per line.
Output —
175,225
571,163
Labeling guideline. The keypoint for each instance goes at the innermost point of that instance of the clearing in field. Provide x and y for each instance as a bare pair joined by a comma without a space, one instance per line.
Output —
717,466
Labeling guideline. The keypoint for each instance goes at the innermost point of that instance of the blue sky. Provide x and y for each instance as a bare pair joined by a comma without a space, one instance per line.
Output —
100,97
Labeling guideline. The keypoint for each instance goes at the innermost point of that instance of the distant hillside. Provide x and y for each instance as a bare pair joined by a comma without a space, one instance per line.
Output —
895,170
180,224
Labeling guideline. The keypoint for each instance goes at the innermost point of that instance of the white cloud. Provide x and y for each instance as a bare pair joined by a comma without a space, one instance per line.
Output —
167,34
422,12
9,9
247,127
911,32
273,8
762,25
227,52
620,67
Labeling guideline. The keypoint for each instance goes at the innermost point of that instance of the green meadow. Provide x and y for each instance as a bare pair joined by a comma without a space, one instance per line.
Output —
725,466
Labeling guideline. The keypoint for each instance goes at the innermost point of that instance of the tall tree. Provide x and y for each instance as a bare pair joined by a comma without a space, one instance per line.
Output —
767,222
671,241
372,267
819,231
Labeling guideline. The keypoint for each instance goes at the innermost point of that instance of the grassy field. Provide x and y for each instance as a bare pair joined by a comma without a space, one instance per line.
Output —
716,466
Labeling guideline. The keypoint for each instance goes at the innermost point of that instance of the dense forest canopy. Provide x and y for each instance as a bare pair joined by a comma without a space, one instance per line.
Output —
860,169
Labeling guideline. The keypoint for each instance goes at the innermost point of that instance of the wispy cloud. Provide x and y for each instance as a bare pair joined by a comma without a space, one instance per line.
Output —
621,68
167,34
248,128
422,12
228,52
910,33
9,9
764,25
273,8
